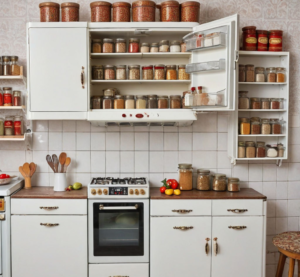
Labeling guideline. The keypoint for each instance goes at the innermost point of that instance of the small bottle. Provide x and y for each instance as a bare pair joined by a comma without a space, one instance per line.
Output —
189,98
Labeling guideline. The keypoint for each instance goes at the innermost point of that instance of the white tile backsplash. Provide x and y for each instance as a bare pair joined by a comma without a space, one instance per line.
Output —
156,141
98,161
55,141
55,126
127,161
40,141
127,141
83,141
112,141
205,141
69,126
69,141
112,161
97,141
141,161
156,161
141,141
171,141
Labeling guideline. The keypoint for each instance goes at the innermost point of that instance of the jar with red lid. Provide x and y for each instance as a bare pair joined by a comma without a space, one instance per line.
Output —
143,11
8,126
275,40
249,38
121,12
49,12
170,11
100,11
159,72
190,11
69,12
262,40
147,72
134,45
7,96
18,126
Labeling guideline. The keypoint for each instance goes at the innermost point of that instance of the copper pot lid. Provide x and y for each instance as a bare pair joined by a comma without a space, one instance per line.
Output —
49,4
170,3
143,3
69,4
190,3
121,4
100,3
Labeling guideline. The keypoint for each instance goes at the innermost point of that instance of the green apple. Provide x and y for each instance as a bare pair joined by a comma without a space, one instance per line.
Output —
77,186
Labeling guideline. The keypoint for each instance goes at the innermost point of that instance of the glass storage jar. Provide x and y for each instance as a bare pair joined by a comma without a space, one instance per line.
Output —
170,11
260,149
18,126
7,96
271,74
96,102
110,92
242,73
219,182
255,103
253,119
265,103
129,102
145,47
15,69
154,47
185,176
17,101
275,40
109,72
96,46
141,102
97,72
164,46
249,38
175,46
6,68
108,45
250,149
134,72
281,150
121,72
245,126
280,74
241,149
147,72
171,72
100,11
250,76
69,12
134,45
152,102
49,12
190,11
255,128
119,102
277,127
175,102
233,184
162,102
120,45
143,11
272,151
121,12
203,179
244,102
159,72
1,127
259,74
108,102
276,103
265,127
182,75
8,126
183,46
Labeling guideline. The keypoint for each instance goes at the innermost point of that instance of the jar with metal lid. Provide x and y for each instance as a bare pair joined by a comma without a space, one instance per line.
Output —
249,38
250,76
100,11
134,72
280,74
154,47
147,72
129,102
69,12
7,96
134,45
175,46
259,74
183,46
260,149
120,45
15,69
265,127
143,11
17,101
1,97
233,184
245,126
159,72
140,102
18,126
276,127
250,149
175,102
182,75
255,103
242,73
109,72
190,11
255,118
108,45
49,12
265,103
1,127
255,128
108,102
262,40
110,92
171,72
8,126
275,40
97,72
276,103
121,12
241,149
96,46
170,11
203,179
145,47
119,102
281,150
6,68
152,102
219,182
244,102
164,46
271,74
121,72
185,176
96,102
162,102
272,150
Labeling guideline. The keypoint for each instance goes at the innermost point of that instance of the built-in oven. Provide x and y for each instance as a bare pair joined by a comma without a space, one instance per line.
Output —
118,231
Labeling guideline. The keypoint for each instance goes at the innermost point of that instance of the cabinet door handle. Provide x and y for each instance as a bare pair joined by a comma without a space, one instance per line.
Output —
182,211
237,227
216,246
49,208
119,276
49,224
237,211
183,227
207,246
82,77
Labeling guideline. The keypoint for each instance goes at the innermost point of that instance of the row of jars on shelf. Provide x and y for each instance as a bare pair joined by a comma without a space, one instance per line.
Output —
249,73
149,72
259,103
119,45
8,97
9,66
250,149
11,126
257,126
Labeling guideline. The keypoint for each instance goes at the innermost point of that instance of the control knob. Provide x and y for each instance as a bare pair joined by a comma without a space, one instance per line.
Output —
137,192
105,191
93,192
143,192
100,191
131,191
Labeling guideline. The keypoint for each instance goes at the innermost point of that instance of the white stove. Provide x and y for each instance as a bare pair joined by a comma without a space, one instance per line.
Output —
9,189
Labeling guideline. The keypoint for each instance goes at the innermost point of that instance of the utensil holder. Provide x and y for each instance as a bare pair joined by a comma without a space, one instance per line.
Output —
27,183
60,182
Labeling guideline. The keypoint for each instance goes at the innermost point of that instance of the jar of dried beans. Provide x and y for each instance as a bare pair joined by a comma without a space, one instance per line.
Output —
108,45
15,69
162,102
140,102
97,72
175,46
100,11
272,151
8,126
134,45
164,46
265,127
129,102
281,149
219,182
262,40
275,40
249,38
260,149
119,102
250,149
121,12
96,102
242,73
277,127
265,103
255,128
143,11
250,76
6,68
170,11
121,72
7,96
134,72
280,74
120,45
147,72
96,46
108,102
154,47
182,75
18,126
241,149
203,179
271,74
109,72
244,102
159,72
17,98
259,74
49,12
276,103
183,46
152,102
255,103
190,11
175,102
69,12
145,47
245,126
185,176
233,184
171,73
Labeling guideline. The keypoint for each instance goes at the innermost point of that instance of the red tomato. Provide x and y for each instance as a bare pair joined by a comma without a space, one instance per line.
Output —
173,183
3,176
162,189
169,182
7,176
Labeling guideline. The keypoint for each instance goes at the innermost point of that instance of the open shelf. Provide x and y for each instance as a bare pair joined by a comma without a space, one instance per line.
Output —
12,138
140,81
262,110
279,135
202,44
260,159
12,107
205,66
12,77
140,55
263,53
261,83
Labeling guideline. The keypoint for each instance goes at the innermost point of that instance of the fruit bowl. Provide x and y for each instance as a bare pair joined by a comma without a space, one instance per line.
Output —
5,181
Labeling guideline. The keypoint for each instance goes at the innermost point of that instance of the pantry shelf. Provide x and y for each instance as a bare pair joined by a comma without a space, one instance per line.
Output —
262,110
259,159
279,135
12,108
12,138
140,81
205,66
141,55
261,83
262,53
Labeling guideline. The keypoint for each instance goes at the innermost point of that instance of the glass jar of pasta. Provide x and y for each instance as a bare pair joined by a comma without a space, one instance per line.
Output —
171,72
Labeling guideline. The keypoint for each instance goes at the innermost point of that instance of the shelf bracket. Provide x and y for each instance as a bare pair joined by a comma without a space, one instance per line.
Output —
279,163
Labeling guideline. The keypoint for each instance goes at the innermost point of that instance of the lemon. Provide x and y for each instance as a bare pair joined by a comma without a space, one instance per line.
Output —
169,191
177,191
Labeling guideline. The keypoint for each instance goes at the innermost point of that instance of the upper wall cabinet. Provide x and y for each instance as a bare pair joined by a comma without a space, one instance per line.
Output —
57,70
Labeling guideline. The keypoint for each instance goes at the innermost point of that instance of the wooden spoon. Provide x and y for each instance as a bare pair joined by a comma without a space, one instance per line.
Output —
50,162
22,172
68,161
26,169
55,162
62,161
32,168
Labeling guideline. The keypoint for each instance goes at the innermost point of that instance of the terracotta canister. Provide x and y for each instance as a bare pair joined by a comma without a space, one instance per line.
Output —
249,38
143,11
69,12
190,11
100,11
170,11
49,12
275,40
121,12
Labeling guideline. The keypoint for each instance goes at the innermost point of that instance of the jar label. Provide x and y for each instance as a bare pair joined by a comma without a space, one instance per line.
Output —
7,98
8,124
251,40
275,40
263,40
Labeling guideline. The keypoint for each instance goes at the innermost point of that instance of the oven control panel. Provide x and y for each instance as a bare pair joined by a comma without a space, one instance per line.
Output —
118,191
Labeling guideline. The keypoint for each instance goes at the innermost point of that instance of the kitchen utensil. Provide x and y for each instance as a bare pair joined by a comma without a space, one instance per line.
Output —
25,171
50,162
62,161
55,162
6,180
60,182
68,161
32,168
22,171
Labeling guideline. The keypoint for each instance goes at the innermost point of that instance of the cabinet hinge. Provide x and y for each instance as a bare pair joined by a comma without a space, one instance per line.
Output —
237,55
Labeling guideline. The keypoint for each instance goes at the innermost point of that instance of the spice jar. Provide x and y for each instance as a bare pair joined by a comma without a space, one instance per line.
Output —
203,182
96,46
183,46
171,73
244,102
265,103
110,92
253,119
170,11
219,182
164,46
250,149
49,12
249,38
100,11
260,149
129,102
97,72
280,74
182,75
185,176
120,45
272,151
119,102
162,102
1,127
255,128
190,11
121,72
140,102
143,11
134,45
159,72
275,40
245,126
281,149
265,127
108,45
7,96
250,76
6,68
276,127
69,12
242,73
276,103
259,74
255,103
147,72
233,184
175,102
152,102
189,98
96,102
109,72
154,47
145,47
18,126
134,72
175,46
271,74
14,67
262,40
108,102
17,98
241,149
8,126
121,12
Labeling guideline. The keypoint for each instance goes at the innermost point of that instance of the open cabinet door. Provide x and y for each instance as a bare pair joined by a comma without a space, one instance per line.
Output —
214,48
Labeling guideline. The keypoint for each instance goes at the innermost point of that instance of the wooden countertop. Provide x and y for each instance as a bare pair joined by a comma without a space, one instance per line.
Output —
48,192
196,194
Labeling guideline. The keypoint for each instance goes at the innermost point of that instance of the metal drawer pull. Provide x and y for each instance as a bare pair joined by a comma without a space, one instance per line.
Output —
49,208
207,246
237,227
237,211
49,224
135,207
82,77
118,276
216,246
182,211
183,227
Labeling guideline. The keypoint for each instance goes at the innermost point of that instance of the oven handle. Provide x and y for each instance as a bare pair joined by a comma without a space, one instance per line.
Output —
135,207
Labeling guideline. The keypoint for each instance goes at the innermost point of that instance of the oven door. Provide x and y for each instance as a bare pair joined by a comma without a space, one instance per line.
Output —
118,231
